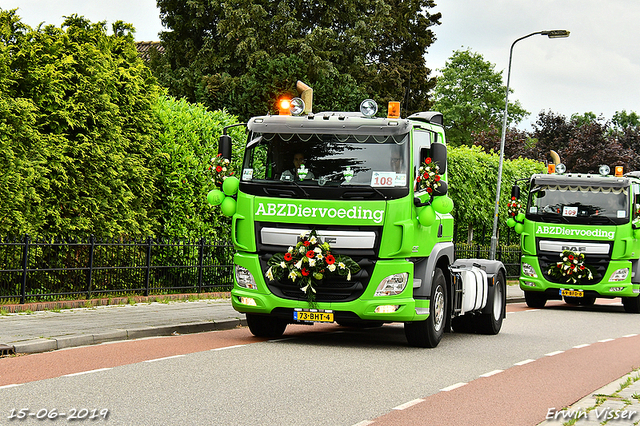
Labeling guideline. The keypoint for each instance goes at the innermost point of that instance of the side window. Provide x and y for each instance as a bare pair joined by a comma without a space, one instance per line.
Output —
636,201
422,147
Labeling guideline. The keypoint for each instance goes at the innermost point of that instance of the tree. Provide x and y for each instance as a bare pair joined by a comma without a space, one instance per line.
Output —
76,130
221,53
470,95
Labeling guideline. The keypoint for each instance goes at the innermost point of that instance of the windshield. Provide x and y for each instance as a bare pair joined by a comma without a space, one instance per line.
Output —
578,204
309,163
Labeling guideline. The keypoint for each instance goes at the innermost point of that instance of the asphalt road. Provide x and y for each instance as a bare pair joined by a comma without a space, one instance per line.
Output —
330,375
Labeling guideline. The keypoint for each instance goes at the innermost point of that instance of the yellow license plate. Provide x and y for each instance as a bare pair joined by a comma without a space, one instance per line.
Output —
313,316
572,293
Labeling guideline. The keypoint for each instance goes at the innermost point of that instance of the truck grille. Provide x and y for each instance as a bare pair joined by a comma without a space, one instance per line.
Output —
597,263
331,289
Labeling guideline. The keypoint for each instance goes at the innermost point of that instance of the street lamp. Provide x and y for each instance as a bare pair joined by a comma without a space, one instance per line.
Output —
550,34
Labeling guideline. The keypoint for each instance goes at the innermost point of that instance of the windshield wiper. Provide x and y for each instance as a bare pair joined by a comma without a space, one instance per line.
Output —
306,194
596,219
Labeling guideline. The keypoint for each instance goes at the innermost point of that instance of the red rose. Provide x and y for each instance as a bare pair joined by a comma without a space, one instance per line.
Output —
570,257
288,257
305,272
311,254
306,243
437,178
428,160
582,267
330,259
429,190
218,169
418,179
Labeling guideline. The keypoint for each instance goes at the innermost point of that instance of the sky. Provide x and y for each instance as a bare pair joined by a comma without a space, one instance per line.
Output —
596,69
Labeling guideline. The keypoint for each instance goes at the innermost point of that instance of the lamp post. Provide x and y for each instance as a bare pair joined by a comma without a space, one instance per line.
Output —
494,238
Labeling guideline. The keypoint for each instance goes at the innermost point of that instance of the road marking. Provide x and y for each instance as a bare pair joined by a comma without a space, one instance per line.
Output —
630,335
10,386
227,347
162,359
491,373
452,387
526,361
86,372
408,404
553,353
605,340
584,345
365,423
280,340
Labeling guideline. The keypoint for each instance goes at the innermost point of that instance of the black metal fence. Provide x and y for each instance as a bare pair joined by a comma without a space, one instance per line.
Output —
51,269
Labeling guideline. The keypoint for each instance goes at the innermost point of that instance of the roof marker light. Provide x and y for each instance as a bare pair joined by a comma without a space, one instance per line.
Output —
393,110
619,171
284,106
297,106
561,168
604,170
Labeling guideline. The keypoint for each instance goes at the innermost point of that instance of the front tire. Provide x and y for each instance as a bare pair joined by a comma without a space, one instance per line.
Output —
535,299
266,326
491,322
631,304
428,333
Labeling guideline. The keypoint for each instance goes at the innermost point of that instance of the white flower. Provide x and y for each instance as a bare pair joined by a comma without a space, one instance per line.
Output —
304,289
313,240
319,256
270,274
299,264
292,276
342,265
317,250
332,267
349,275
312,262
303,249
290,249
283,265
303,235
224,169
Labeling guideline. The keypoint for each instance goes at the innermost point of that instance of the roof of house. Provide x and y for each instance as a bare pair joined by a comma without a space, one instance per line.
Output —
144,49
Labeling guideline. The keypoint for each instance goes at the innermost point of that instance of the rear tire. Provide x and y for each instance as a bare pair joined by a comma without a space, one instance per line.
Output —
535,299
491,323
266,326
631,304
428,333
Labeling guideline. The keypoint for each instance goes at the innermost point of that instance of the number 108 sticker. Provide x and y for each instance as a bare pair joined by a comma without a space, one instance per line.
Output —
383,178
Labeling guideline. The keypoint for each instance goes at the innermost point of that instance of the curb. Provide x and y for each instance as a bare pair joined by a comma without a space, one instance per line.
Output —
45,345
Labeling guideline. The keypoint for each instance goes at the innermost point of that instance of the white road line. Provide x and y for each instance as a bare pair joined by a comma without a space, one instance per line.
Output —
364,423
584,345
631,335
87,372
408,404
162,359
605,340
227,347
526,361
280,340
10,386
553,353
452,387
491,373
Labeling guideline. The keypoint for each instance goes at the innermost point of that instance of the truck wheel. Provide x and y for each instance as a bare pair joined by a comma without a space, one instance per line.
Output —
491,322
631,304
428,333
535,299
266,326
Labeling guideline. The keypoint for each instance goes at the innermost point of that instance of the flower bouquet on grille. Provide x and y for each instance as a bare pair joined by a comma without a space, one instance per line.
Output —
571,269
220,168
308,263
428,176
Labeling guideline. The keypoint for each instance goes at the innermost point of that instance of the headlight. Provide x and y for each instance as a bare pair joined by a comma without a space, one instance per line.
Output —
620,275
392,285
244,278
528,271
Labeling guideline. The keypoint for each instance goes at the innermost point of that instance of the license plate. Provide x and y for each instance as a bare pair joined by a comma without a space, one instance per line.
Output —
315,316
572,293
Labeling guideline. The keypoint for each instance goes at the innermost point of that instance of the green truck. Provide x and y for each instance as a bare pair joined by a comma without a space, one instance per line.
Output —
580,238
343,217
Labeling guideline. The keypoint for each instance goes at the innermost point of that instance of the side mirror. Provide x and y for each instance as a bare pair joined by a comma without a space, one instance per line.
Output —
515,191
439,155
442,189
224,146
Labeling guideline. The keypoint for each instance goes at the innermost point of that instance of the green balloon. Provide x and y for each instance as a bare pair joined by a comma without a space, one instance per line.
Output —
215,197
230,185
427,216
520,217
519,228
228,206
442,204
511,222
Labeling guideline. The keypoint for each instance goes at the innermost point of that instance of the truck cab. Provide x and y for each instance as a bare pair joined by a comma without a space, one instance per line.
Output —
579,239
354,196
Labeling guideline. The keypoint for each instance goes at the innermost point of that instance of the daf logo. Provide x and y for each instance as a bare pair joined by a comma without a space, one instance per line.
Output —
574,248
330,240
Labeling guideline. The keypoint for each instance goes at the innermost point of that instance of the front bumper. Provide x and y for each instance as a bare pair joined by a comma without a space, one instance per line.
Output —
262,301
